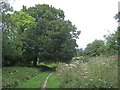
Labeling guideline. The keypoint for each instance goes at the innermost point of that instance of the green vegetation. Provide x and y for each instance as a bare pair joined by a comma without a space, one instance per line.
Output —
98,73
53,81
51,65
36,82
1,78
37,34
13,76
38,40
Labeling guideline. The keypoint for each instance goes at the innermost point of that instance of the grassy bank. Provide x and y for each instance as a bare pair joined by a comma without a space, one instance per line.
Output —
13,76
97,73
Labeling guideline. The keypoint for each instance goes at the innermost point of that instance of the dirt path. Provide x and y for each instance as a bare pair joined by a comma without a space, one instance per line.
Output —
45,82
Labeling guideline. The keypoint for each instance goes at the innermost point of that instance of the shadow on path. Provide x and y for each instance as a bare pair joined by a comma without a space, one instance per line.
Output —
44,68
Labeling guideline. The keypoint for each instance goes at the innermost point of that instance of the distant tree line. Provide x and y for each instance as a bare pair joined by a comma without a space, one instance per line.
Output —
36,34
109,46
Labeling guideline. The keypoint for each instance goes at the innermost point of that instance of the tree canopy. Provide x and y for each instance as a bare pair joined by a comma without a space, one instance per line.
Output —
37,34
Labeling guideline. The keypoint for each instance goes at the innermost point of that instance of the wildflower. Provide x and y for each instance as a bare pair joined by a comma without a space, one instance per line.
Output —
74,74
103,63
11,73
85,76
91,79
86,72
71,64
105,82
77,62
100,79
66,64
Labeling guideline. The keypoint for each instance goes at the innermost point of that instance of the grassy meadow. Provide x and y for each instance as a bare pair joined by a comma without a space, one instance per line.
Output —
97,73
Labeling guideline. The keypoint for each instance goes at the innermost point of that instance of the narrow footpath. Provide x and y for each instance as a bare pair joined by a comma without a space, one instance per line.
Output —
45,82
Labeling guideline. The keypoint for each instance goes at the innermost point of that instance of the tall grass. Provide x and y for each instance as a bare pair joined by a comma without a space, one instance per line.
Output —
13,76
97,73
36,82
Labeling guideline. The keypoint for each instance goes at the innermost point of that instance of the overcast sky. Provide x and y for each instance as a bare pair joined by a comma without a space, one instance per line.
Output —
93,17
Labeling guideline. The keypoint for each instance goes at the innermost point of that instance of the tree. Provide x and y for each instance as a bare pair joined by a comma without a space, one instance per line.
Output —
80,52
37,33
92,49
112,41
51,39
5,28
18,25
117,33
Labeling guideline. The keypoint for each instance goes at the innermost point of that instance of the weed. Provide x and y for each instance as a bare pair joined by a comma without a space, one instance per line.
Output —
97,73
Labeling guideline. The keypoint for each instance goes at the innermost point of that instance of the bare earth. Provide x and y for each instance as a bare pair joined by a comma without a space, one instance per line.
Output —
45,82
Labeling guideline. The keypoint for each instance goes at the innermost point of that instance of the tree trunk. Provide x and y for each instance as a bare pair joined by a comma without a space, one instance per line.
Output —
35,61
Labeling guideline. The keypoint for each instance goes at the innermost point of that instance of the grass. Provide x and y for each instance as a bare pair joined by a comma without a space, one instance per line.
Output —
25,77
13,76
53,81
0,78
97,73
51,65
100,72
36,82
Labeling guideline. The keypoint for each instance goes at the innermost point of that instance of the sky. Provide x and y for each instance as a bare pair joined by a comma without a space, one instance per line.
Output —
94,18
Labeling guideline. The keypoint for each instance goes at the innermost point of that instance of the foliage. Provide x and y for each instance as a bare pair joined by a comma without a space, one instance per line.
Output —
50,40
110,46
98,73
117,17
80,52
92,49
111,43
5,27
19,23
13,76
37,34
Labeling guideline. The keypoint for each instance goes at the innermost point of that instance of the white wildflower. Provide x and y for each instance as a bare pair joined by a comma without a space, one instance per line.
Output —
85,76
66,64
86,72
100,79
103,63
91,79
